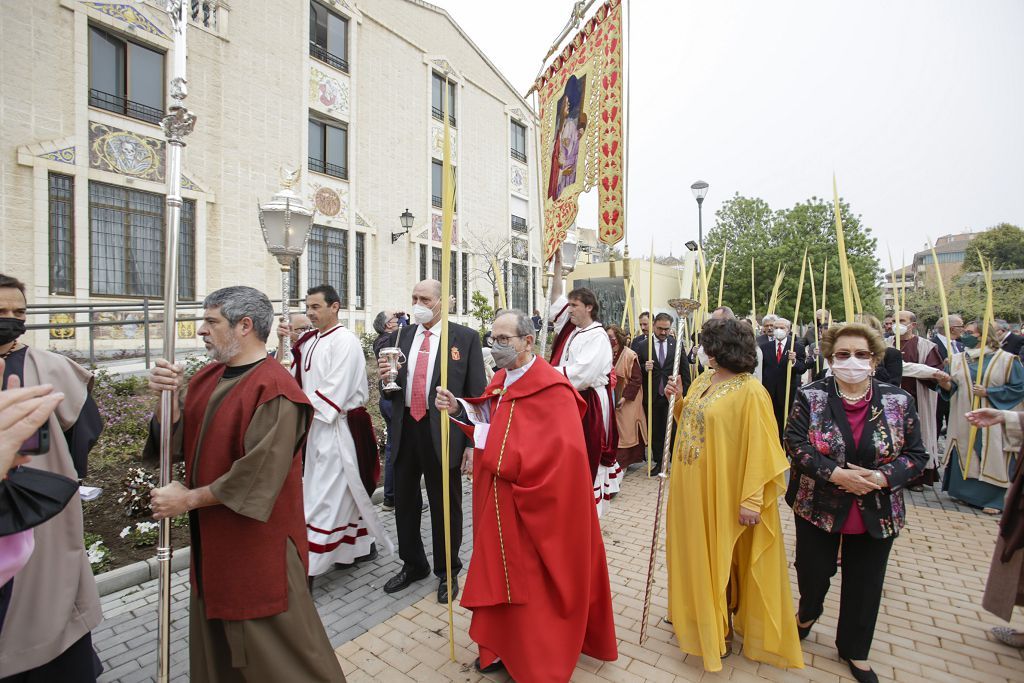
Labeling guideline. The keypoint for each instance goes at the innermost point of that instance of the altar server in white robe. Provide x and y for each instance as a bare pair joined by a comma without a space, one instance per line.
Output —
341,523
582,352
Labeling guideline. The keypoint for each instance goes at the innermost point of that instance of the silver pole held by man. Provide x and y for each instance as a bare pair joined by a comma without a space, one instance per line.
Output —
178,123
683,308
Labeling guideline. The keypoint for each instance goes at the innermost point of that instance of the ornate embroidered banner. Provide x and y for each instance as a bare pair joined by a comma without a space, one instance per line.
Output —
581,129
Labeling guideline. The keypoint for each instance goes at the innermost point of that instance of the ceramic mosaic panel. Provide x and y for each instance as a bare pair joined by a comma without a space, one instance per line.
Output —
121,151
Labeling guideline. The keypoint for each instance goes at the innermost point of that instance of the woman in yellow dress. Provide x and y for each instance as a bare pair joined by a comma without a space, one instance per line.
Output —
725,555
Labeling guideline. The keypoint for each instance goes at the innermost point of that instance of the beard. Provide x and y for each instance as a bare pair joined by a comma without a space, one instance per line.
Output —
222,354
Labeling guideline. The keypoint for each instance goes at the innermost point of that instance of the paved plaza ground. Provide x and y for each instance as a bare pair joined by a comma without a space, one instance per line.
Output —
931,626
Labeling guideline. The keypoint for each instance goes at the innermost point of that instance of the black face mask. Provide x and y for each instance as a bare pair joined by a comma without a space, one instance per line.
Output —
11,329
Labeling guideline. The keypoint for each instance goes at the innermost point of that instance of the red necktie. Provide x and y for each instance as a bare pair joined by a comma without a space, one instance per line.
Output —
778,354
418,406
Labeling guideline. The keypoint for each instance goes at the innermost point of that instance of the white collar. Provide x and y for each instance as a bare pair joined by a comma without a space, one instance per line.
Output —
513,375
328,330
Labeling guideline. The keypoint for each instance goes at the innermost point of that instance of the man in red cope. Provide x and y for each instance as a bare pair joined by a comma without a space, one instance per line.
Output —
244,423
538,578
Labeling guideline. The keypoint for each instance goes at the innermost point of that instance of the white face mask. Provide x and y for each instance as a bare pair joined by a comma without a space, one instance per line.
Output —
421,315
900,329
852,370
702,357
780,334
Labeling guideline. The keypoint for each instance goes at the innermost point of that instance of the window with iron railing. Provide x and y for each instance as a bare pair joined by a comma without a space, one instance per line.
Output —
360,270
204,13
465,283
125,77
437,101
328,149
328,260
126,243
435,263
518,135
423,262
62,231
519,224
328,37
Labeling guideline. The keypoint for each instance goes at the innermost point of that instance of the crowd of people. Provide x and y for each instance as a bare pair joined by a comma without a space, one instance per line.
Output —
281,465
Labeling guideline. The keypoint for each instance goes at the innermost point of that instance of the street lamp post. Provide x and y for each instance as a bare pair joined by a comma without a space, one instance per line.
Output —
700,189
286,222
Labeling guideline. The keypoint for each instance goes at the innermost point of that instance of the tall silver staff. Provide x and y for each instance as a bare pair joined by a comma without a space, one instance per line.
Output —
683,308
178,123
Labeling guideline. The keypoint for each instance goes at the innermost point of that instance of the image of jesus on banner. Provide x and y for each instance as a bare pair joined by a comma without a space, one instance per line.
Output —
570,126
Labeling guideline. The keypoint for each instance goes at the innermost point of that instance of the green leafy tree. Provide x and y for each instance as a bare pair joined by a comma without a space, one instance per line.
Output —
481,309
753,230
1002,245
968,300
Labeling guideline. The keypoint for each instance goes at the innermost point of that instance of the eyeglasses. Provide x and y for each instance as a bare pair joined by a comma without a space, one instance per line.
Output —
859,355
504,339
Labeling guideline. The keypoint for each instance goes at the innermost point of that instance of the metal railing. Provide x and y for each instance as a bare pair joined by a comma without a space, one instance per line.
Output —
518,156
435,200
519,224
122,105
439,115
321,53
149,312
327,168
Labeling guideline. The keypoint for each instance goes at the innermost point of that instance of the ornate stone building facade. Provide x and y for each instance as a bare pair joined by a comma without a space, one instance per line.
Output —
350,91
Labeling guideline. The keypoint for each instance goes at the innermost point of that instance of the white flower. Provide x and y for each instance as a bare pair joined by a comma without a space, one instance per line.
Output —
125,531
144,527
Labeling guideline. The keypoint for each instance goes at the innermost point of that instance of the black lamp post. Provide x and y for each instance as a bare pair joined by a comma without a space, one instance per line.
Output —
406,219
700,189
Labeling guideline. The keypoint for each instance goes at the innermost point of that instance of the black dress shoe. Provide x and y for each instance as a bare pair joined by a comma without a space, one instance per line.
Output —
496,665
861,675
804,631
442,590
370,556
403,580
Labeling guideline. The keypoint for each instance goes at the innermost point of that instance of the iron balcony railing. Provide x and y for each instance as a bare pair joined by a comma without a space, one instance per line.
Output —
321,53
327,168
435,200
518,156
439,115
519,224
122,105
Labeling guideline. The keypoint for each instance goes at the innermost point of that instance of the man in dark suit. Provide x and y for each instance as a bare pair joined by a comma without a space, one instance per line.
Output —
659,371
767,329
777,352
1010,341
645,329
416,436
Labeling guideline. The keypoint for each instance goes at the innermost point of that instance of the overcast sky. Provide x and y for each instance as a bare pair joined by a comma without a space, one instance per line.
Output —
917,106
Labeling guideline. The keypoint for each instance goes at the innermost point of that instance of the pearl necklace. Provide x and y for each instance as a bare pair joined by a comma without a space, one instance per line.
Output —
10,350
854,399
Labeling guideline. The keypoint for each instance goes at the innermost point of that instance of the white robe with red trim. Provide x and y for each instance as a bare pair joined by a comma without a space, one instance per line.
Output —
587,363
341,522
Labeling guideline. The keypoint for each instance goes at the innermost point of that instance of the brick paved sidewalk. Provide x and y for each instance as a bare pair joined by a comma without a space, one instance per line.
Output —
931,626
350,602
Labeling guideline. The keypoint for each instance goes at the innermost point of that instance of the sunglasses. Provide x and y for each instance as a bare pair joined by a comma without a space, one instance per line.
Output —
859,355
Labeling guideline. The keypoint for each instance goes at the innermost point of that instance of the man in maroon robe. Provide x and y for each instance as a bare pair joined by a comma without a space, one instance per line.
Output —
538,579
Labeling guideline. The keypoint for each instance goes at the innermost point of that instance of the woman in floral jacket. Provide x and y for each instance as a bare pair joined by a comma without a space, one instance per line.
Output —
854,443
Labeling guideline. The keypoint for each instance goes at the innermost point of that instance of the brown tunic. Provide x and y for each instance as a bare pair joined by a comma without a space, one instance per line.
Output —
1005,585
288,646
629,417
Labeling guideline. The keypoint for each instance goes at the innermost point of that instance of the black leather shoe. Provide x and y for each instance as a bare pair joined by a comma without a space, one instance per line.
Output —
370,556
442,590
496,665
861,675
403,580
804,631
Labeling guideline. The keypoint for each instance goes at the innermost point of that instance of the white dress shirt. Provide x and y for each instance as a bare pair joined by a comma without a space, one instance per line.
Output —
414,358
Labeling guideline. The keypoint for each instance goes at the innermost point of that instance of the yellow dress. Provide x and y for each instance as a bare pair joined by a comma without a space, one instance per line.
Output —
726,454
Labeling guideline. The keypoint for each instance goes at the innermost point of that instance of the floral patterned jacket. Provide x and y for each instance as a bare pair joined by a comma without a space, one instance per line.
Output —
818,439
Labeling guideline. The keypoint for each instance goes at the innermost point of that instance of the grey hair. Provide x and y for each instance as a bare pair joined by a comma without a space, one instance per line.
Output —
524,325
770,318
780,319
380,322
1001,324
240,302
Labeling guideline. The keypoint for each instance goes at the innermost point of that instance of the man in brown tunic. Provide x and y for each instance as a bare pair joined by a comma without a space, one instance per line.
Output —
251,617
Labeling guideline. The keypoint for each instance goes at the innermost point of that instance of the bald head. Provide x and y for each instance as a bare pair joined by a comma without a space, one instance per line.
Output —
722,313
427,293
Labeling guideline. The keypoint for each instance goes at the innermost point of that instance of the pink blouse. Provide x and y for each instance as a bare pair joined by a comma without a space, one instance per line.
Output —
856,414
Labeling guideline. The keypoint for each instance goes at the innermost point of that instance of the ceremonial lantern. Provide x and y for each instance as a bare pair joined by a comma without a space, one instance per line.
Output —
286,221
700,190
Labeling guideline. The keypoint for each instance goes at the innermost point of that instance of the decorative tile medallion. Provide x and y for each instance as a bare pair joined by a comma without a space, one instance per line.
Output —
327,201
62,332
435,228
520,249
128,14
64,156
186,329
519,177
437,142
125,152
